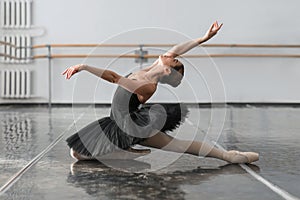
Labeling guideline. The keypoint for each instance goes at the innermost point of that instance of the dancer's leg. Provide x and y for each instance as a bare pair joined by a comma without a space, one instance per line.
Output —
168,143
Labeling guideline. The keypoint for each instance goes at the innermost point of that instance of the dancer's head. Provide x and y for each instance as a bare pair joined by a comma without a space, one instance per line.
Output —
173,70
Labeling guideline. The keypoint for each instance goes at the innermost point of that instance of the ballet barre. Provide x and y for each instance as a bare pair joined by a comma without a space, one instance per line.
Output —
171,45
155,45
140,54
156,56
141,46
136,56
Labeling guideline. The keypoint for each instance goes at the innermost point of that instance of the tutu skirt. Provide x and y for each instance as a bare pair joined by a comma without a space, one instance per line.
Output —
105,135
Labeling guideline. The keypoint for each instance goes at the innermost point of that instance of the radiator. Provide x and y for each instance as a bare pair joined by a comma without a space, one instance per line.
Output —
15,13
13,54
15,83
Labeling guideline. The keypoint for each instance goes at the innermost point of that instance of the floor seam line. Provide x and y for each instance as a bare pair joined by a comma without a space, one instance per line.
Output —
281,192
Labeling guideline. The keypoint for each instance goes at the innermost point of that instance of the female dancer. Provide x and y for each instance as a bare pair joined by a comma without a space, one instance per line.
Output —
132,122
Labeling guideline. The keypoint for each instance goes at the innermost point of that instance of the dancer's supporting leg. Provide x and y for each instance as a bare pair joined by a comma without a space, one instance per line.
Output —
169,143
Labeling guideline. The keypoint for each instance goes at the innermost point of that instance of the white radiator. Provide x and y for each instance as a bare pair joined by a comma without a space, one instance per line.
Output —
20,53
15,83
15,13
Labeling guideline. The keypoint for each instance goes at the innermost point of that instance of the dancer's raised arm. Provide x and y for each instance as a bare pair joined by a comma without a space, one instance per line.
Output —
186,46
140,87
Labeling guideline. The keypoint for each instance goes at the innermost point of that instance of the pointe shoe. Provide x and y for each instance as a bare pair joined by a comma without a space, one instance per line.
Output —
237,157
79,156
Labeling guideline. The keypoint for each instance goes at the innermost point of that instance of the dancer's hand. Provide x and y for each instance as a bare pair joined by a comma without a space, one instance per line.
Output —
212,31
72,70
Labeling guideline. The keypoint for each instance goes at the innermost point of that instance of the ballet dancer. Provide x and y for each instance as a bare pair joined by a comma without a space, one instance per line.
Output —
132,122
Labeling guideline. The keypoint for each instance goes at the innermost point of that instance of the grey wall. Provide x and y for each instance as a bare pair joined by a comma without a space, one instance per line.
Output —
171,21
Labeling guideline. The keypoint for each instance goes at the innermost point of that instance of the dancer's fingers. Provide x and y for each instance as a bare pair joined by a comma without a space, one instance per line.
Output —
217,27
220,26
211,27
65,71
216,24
69,74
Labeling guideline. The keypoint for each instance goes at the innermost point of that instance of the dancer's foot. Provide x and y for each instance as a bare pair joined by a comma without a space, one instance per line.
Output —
237,157
79,156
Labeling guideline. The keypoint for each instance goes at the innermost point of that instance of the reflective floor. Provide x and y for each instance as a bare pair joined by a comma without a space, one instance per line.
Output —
27,131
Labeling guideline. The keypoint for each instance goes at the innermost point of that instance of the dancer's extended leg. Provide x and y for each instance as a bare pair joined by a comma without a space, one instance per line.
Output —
169,143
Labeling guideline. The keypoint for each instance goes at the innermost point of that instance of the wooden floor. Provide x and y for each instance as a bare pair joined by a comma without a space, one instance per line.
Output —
35,161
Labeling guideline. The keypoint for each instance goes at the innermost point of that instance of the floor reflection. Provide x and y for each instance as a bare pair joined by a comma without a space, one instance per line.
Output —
18,143
99,180
17,135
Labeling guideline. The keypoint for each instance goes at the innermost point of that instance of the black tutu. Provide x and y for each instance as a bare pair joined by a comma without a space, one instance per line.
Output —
129,124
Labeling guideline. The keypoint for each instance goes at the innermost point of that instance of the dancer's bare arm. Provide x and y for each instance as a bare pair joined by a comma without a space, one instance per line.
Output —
186,46
143,88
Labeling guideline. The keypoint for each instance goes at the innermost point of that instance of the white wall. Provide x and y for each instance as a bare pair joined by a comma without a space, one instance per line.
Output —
171,21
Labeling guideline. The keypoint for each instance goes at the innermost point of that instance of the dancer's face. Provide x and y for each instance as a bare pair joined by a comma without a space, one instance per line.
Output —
174,78
169,61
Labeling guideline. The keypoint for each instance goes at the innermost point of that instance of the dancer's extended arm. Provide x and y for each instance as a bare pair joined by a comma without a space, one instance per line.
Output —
143,88
186,46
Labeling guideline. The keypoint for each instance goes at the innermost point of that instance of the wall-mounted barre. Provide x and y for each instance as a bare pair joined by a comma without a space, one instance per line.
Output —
155,45
171,45
11,57
156,56
7,44
137,56
140,55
